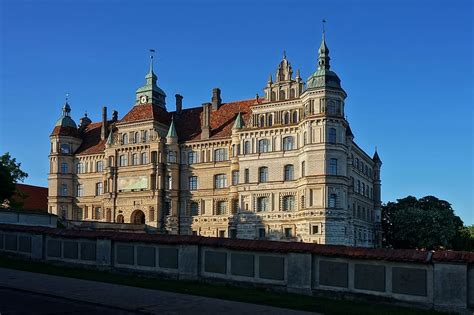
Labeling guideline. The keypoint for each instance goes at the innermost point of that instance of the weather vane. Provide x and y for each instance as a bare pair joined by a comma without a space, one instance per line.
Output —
152,52
67,96
324,22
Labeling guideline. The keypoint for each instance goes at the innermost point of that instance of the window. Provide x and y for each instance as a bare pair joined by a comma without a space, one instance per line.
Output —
246,176
220,155
305,138
220,181
314,229
289,172
169,182
263,174
233,233
63,212
262,204
263,145
331,108
363,189
220,207
286,118
261,233
99,166
80,190
303,169
125,138
99,189
270,120
295,117
123,161
80,168
193,208
144,158
192,157
135,159
235,178
357,163
221,233
65,148
64,191
247,147
145,136
332,135
193,182
98,213
288,232
358,186
136,137
332,167
288,143
288,203
262,121
332,200
172,157
64,168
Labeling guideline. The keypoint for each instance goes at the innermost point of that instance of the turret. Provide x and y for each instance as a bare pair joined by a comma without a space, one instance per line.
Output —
150,93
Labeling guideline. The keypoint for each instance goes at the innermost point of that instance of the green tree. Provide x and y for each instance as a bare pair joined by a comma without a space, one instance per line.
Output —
10,174
427,222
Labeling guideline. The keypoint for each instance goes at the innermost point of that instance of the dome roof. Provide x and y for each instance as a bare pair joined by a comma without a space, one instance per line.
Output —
65,125
323,78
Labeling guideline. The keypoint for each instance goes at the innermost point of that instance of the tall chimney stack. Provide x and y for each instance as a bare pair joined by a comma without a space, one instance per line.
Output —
179,103
216,98
103,130
206,121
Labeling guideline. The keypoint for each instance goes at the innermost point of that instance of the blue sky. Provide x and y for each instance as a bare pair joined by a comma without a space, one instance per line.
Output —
407,67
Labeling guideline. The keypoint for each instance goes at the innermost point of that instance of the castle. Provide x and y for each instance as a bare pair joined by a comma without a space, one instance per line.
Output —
281,167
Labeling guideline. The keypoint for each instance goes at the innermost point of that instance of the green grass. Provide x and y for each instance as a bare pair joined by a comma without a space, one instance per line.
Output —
221,291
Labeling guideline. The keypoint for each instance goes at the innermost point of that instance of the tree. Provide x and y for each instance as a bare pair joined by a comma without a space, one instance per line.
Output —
427,222
10,174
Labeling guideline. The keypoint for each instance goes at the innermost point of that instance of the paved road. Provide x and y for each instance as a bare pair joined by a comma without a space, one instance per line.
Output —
34,293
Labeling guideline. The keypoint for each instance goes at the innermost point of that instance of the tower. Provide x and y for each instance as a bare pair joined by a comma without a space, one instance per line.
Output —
284,87
171,204
65,141
150,93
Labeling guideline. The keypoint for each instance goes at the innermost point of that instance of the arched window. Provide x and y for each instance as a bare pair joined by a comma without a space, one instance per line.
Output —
192,157
282,95
125,138
289,172
145,136
262,121
292,93
288,143
144,158
288,203
332,135
270,120
262,204
303,169
247,147
263,146
295,117
123,161
120,218
332,200
193,208
136,137
273,96
286,118
99,188
221,208
99,166
305,138
135,160
263,174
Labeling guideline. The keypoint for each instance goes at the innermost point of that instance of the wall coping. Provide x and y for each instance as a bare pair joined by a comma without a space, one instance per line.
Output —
397,255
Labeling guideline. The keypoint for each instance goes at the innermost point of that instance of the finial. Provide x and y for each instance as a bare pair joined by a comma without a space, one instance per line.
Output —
256,96
270,79
324,30
67,97
284,54
375,148
152,52
85,114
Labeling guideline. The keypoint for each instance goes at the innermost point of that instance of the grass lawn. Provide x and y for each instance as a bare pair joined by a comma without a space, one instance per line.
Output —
221,291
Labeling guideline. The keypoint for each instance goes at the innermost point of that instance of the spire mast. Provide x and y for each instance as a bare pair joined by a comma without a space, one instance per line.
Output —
152,52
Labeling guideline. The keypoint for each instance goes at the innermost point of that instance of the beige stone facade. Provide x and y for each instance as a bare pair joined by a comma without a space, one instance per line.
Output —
282,167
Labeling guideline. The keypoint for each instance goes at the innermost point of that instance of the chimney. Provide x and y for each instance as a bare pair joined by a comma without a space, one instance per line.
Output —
103,131
216,98
179,103
206,121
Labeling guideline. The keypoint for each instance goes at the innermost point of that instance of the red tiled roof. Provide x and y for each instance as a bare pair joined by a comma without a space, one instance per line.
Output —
144,112
91,142
36,197
453,256
64,131
188,123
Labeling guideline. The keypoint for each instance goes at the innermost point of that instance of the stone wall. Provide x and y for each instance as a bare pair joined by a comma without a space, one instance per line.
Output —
443,280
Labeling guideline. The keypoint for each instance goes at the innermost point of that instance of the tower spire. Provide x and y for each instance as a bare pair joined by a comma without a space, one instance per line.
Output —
152,52
323,52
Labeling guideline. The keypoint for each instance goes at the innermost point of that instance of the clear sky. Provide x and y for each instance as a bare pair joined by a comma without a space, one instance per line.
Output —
407,67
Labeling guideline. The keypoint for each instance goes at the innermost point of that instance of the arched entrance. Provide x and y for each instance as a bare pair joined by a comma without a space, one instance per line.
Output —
120,218
138,217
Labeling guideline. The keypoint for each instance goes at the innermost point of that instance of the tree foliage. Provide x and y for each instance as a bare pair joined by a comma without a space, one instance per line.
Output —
427,222
10,174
